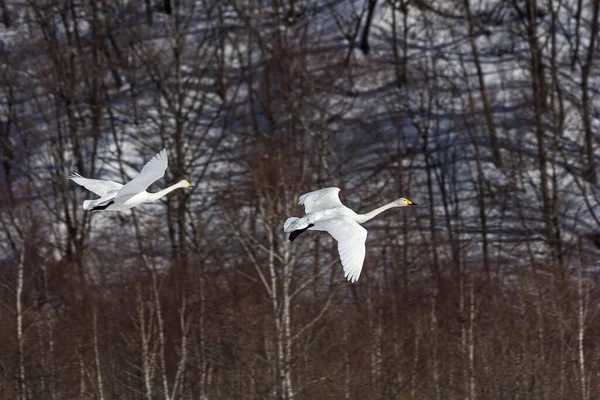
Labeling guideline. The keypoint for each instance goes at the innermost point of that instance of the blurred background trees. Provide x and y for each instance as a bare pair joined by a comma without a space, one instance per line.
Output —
484,113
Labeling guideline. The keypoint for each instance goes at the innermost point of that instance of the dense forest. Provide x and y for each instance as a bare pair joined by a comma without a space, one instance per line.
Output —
485,113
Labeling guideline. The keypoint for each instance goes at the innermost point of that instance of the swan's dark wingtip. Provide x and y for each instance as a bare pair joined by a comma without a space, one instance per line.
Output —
103,207
298,232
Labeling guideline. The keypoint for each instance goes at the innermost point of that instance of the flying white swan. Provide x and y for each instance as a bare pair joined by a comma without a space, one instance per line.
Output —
325,212
117,197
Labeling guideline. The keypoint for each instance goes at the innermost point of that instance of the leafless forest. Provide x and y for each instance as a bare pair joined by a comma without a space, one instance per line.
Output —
486,113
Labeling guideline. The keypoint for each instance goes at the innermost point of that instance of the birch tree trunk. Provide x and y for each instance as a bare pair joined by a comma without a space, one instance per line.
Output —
178,381
487,109
585,90
51,344
161,330
582,300
81,362
287,335
539,90
21,382
471,340
97,353
204,367
145,329
433,331
282,319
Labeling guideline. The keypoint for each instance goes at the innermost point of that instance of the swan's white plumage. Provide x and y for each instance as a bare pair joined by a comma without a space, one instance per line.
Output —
351,238
325,212
152,171
117,197
321,199
97,186
288,222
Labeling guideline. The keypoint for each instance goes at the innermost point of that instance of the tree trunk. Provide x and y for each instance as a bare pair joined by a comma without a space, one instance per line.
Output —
148,8
145,331
487,109
22,385
539,102
582,299
161,331
6,20
364,40
590,169
471,340
433,331
97,354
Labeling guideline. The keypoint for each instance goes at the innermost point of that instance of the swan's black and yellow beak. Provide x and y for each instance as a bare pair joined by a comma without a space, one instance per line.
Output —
190,185
410,203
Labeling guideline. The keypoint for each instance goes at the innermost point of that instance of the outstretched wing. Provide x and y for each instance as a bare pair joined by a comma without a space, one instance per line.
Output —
100,187
321,199
351,238
152,171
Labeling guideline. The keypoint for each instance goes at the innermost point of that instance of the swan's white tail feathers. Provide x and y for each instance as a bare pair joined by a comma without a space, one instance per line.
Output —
294,224
288,223
88,204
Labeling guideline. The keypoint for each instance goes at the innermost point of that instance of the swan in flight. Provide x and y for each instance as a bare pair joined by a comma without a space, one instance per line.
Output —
325,212
117,197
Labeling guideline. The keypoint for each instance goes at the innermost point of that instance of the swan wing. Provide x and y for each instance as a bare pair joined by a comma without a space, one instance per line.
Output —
152,171
351,238
321,199
100,187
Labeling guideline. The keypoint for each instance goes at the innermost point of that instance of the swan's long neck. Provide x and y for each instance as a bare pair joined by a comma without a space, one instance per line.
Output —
362,218
164,192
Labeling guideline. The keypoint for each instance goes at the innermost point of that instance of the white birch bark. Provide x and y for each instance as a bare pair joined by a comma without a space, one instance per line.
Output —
161,332
471,341
347,371
22,387
287,334
204,378
184,326
148,356
50,333
463,332
82,385
581,317
434,347
416,359
97,354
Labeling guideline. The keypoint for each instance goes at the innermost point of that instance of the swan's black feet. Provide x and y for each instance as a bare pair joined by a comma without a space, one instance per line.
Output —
103,207
297,232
